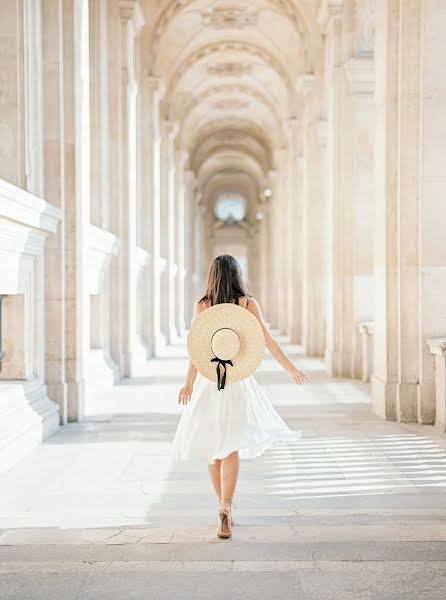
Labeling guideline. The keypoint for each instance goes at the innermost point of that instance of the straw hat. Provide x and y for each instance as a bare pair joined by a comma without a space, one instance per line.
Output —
226,343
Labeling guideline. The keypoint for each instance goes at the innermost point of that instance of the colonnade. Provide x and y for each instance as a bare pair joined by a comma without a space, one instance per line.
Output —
107,202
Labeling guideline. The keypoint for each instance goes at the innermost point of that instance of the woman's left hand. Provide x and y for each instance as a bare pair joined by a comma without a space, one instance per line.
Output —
185,393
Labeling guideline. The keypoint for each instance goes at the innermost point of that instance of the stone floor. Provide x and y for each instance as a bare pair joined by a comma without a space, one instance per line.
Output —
355,510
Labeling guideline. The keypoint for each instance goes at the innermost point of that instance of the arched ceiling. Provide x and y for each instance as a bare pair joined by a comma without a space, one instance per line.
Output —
229,68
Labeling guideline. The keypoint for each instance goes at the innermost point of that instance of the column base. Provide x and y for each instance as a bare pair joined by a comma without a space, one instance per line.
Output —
339,364
173,335
407,402
159,342
28,418
384,398
75,400
101,375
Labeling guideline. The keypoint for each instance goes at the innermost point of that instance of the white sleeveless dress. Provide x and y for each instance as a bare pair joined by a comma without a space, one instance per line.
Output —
239,417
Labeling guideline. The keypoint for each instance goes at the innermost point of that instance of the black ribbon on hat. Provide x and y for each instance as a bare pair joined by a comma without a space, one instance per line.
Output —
221,367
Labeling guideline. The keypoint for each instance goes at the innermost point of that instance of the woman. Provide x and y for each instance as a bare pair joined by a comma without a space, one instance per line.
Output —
239,420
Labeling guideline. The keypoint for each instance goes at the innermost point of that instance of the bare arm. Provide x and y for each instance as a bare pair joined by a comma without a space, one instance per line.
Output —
274,347
185,393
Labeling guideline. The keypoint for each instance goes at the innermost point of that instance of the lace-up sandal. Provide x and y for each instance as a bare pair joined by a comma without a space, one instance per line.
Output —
224,520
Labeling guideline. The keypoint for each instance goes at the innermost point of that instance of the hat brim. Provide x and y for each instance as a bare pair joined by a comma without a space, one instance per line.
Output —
249,330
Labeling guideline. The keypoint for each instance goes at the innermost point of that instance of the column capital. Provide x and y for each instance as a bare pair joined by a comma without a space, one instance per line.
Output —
361,74
156,85
437,345
329,10
130,10
181,157
191,180
171,129
305,83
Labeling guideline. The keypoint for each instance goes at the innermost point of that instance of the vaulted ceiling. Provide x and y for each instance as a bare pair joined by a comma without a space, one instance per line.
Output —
230,69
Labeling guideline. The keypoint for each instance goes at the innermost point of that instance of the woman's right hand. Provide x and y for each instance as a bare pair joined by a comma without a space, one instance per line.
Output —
299,376
184,395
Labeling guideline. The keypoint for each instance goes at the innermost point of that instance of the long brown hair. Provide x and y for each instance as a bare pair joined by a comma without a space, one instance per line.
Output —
225,281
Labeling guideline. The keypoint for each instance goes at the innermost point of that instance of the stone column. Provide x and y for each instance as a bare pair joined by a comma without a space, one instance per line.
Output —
21,95
180,222
431,195
313,218
99,114
189,227
274,257
131,21
168,232
199,245
153,90
341,334
360,72
294,231
67,184
399,318
282,235
437,347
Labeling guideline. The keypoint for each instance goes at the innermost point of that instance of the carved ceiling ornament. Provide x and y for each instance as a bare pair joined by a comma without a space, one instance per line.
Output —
201,155
226,69
245,126
287,8
229,17
235,47
236,164
230,104
234,90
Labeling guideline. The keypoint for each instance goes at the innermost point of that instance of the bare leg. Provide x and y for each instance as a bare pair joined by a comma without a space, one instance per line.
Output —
214,472
229,474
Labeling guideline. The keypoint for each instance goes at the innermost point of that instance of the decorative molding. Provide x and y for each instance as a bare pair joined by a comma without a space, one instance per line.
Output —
142,258
102,240
329,9
22,206
232,67
287,8
230,104
229,17
361,73
101,245
130,10
305,83
156,85
234,89
437,345
225,69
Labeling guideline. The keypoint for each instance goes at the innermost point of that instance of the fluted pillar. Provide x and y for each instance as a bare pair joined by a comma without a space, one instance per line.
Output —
340,329
67,184
153,90
313,217
190,184
273,236
409,255
131,21
294,231
180,224
168,230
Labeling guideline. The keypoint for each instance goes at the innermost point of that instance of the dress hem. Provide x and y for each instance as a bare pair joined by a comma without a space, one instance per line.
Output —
246,453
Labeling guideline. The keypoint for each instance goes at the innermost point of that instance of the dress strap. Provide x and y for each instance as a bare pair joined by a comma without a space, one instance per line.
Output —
246,302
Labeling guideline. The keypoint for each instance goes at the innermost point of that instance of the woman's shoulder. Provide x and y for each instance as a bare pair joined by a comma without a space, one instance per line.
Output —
248,302
200,305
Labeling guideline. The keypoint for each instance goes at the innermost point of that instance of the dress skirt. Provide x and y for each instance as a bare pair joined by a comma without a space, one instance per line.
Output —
239,417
